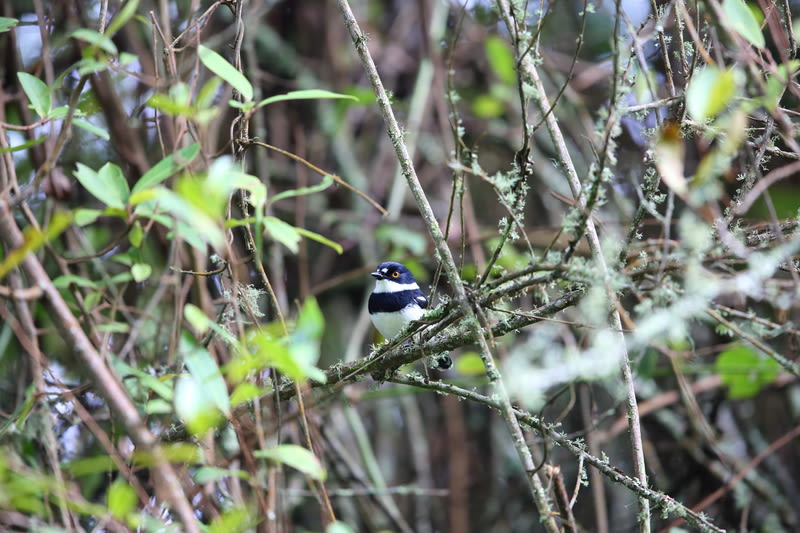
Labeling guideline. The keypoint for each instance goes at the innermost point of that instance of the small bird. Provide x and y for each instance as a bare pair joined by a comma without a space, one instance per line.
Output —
396,300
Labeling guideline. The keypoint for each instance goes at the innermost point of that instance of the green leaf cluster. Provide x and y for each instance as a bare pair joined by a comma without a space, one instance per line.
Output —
745,372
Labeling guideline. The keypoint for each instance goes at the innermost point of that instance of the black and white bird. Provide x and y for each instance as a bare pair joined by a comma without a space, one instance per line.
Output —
396,300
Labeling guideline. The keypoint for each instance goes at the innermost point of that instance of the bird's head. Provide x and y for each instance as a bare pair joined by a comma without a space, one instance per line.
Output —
391,271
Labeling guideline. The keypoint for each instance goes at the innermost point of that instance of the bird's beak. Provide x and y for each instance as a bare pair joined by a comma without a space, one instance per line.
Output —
376,275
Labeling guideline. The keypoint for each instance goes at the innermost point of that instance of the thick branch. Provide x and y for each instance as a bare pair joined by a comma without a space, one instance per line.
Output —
390,357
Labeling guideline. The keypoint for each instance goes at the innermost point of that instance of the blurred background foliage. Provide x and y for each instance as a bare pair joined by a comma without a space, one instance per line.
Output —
208,185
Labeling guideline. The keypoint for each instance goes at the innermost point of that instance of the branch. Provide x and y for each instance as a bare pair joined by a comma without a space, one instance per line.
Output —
670,506
450,268
388,357
528,69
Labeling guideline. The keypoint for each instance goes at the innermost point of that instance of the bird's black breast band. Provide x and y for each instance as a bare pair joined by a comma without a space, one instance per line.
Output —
389,302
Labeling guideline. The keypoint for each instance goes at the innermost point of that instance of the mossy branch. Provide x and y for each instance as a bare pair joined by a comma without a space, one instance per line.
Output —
448,264
529,71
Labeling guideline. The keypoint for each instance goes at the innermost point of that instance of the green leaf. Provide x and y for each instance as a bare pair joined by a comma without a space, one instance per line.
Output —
310,322
96,40
143,196
244,392
320,239
338,527
259,352
197,318
167,167
487,106
123,16
24,146
327,181
7,23
111,177
295,456
169,105
16,421
157,406
84,217
223,333
363,95
175,452
91,128
199,236
266,351
741,19
121,498
64,281
143,379
305,94
115,212
249,183
710,91
207,95
304,342
126,58
90,65
60,113
648,364
731,133
290,236
209,193
203,368
745,372
237,519
470,364
141,271
244,106
38,93
777,83
202,195
284,233
194,407
220,66
107,185
115,327
209,474
501,59
136,234
238,222
99,464
33,240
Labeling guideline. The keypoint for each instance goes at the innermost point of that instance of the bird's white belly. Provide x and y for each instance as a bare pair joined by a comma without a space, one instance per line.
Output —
390,324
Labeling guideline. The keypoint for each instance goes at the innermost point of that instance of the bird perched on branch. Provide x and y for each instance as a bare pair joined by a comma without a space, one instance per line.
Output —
396,301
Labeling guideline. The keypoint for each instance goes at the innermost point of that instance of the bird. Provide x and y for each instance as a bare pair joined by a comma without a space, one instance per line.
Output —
396,301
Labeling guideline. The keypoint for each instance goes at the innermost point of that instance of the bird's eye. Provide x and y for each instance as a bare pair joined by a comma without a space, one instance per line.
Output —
395,274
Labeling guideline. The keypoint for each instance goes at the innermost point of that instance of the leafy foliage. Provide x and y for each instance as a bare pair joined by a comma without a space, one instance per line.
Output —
190,200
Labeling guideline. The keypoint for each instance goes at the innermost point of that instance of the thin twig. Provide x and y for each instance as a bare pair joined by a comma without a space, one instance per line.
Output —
321,172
